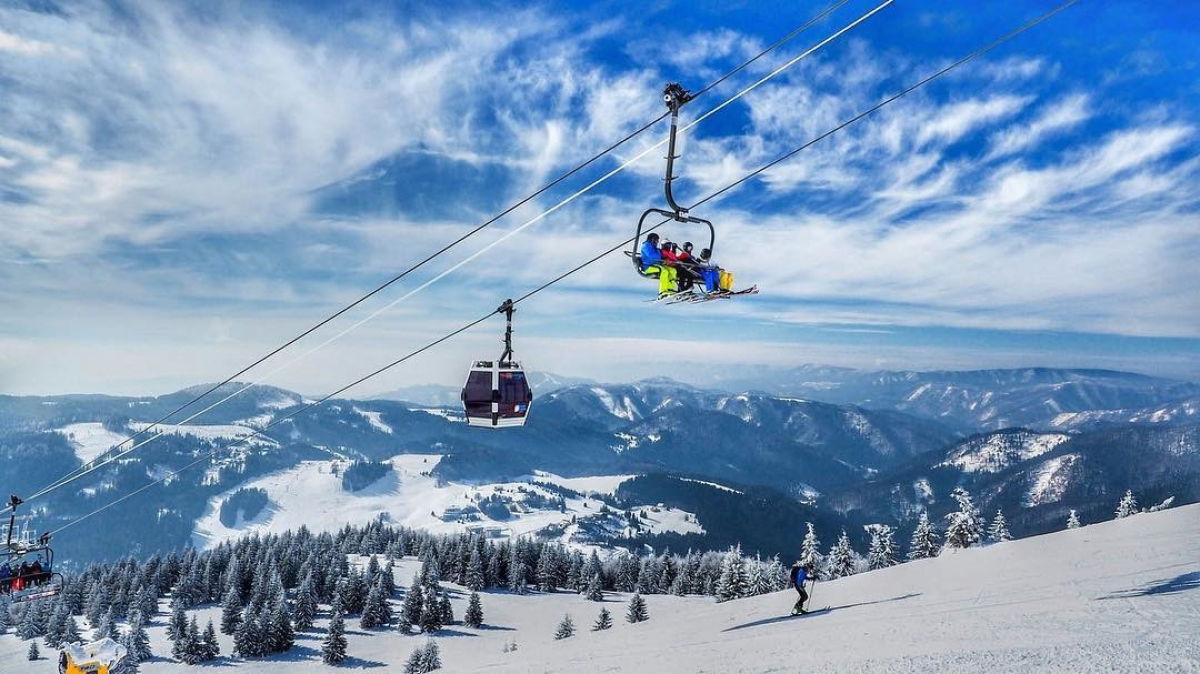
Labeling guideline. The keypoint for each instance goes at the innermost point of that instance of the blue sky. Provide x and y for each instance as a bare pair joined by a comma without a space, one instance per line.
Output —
185,185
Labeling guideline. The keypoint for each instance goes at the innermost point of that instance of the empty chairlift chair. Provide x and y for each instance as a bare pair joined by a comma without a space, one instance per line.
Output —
497,393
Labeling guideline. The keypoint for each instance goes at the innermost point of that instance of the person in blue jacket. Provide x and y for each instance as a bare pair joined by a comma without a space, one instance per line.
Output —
799,574
653,263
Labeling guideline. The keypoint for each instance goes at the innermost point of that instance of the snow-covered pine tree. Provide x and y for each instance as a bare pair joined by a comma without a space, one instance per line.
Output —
209,648
637,611
136,641
964,527
516,571
433,656
431,573
108,625
431,612
595,589
882,552
998,531
54,628
413,604
250,637
147,601
474,615
446,608
647,578
97,602
566,628
841,558
304,608
189,646
546,576
424,659
371,610
734,581
176,627
475,576
28,628
33,653
1127,506
231,609
627,570
388,578
603,621
333,648
1073,520
280,634
71,631
924,543
810,553
575,579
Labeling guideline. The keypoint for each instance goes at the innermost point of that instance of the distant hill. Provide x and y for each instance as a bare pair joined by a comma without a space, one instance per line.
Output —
976,400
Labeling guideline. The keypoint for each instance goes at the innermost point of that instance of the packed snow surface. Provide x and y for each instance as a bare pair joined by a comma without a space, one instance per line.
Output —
203,431
311,494
1119,596
375,419
600,484
1051,480
91,439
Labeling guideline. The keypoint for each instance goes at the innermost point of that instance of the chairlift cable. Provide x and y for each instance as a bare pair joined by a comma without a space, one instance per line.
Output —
975,54
85,469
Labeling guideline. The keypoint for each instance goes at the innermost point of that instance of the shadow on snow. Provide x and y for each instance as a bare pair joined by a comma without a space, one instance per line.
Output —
831,609
1180,583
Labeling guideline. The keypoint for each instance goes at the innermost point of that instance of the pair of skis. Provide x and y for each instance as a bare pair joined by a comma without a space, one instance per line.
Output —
802,612
693,296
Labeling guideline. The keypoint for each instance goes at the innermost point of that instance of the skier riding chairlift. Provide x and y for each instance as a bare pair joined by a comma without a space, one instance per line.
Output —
651,261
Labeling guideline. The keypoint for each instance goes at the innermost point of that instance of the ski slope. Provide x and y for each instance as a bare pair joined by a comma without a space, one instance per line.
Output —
1121,596
91,439
311,494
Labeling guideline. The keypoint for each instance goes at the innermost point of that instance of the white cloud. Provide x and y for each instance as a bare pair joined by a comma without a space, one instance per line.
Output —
1059,117
955,120
22,46
181,126
227,128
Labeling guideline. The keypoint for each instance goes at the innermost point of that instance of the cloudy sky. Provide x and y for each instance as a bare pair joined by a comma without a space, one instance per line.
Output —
185,185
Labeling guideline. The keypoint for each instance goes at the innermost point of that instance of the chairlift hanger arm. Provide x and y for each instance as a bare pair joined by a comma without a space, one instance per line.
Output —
675,96
507,308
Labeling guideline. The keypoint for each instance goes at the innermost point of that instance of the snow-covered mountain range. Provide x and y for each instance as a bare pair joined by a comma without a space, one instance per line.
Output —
983,399
881,458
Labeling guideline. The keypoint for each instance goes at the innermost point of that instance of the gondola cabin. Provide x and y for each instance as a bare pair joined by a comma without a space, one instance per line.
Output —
496,393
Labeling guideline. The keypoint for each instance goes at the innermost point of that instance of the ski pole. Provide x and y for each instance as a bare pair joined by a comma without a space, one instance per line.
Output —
812,591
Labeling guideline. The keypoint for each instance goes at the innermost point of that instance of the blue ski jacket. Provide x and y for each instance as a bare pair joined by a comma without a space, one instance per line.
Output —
650,255
799,575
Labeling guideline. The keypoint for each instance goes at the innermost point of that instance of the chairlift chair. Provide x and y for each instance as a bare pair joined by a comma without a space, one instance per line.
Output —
20,547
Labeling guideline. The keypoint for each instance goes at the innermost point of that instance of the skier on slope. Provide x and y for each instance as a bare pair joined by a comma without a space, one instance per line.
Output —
796,578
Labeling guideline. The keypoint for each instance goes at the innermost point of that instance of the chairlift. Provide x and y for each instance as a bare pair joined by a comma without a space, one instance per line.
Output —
27,563
705,281
496,393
